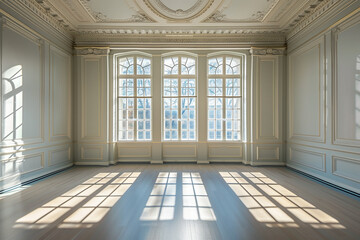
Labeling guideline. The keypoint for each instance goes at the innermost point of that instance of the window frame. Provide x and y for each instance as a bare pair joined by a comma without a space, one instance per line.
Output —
134,76
179,77
225,76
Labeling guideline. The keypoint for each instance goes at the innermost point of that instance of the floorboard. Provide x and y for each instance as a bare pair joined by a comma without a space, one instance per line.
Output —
178,201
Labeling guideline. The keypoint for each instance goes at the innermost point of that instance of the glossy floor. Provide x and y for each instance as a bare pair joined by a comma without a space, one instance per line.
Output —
178,201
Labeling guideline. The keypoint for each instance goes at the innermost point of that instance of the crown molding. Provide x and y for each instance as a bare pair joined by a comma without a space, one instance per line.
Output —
179,39
267,51
313,13
34,13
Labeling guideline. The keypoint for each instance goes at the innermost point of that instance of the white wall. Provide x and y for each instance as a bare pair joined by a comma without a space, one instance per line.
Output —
324,102
36,134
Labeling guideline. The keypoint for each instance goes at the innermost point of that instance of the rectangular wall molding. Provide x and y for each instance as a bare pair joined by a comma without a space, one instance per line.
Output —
22,165
60,95
308,159
91,98
224,151
59,156
90,152
347,168
306,92
134,151
267,153
346,83
267,98
179,151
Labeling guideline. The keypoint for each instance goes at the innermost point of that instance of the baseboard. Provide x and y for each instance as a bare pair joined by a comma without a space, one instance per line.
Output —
36,179
337,187
275,163
92,164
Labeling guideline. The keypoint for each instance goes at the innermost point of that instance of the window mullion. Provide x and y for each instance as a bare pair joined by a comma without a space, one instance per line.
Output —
179,99
224,99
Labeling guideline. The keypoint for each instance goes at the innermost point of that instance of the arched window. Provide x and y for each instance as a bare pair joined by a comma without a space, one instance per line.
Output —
134,98
224,98
179,98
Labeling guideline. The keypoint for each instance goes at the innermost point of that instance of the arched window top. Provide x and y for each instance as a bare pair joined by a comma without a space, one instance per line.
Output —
179,65
134,65
224,65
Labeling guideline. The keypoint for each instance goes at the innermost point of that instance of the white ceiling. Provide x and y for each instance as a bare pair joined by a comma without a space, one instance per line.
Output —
179,15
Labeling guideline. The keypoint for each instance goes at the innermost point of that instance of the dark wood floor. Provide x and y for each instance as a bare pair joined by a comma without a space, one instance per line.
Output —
178,201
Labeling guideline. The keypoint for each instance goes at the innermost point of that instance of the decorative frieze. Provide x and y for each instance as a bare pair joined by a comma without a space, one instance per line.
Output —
92,51
268,51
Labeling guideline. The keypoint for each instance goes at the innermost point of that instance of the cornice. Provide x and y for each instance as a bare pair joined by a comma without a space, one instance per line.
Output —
174,39
98,51
35,14
42,12
312,14
268,51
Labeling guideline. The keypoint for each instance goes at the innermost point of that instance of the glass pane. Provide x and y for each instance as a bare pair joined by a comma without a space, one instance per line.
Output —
215,65
126,66
187,66
143,66
171,66
232,65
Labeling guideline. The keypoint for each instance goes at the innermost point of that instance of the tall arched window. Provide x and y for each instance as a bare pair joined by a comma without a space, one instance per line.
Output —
224,98
179,98
134,98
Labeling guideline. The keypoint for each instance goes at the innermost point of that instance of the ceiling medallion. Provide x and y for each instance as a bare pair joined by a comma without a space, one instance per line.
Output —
164,9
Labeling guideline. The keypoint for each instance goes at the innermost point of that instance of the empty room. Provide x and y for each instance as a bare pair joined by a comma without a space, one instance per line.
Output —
167,119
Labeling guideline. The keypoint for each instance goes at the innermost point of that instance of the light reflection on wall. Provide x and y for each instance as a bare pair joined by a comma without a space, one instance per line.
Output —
109,188
357,98
13,103
267,200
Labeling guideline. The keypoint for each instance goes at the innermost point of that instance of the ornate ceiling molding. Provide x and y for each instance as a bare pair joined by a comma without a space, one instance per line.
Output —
100,17
268,51
160,9
259,16
38,9
313,12
163,40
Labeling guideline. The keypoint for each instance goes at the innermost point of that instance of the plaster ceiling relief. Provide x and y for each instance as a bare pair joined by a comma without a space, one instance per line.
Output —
243,11
114,11
178,11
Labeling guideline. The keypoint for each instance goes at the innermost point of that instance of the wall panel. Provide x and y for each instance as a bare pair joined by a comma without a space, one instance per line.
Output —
59,156
347,84
346,168
91,92
307,159
306,92
267,99
22,91
60,95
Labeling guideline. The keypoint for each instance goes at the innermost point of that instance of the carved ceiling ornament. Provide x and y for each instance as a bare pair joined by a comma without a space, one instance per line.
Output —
100,17
259,16
268,51
160,9
92,51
